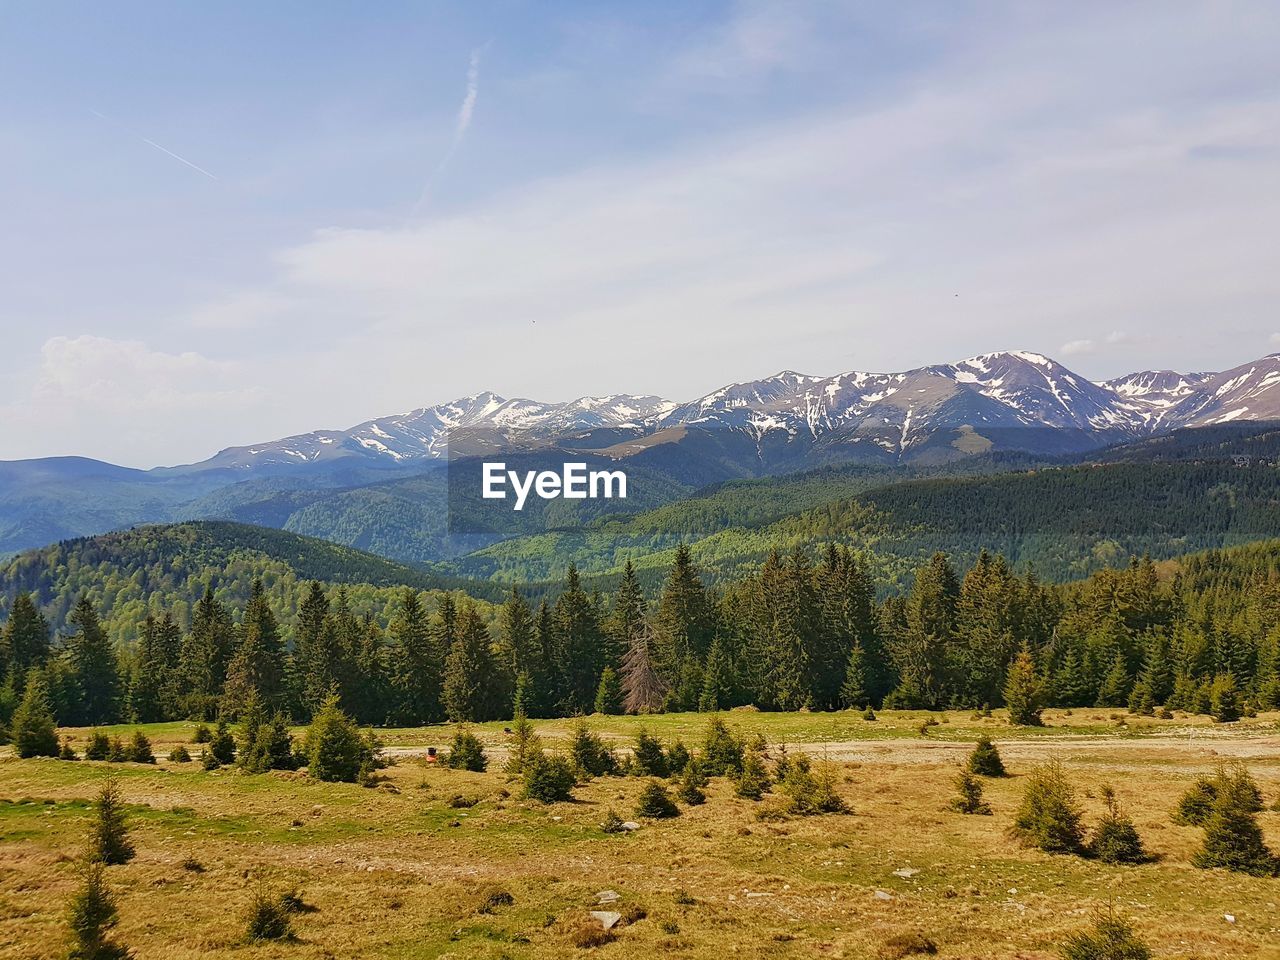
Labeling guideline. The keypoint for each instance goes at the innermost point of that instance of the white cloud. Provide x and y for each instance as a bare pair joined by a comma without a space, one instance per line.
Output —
122,401
1074,348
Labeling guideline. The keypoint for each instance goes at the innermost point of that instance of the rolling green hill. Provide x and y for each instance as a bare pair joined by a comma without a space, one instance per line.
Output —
167,567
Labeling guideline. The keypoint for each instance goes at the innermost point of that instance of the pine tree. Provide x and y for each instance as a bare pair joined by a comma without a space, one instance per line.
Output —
1115,685
969,795
1022,691
417,663
319,661
579,651
854,690
157,656
609,693
471,687
91,915
335,748
258,663
109,839
1116,839
716,691
1224,699
643,690
1049,817
34,733
94,669
683,623
627,616
1232,837
25,638
206,650
985,760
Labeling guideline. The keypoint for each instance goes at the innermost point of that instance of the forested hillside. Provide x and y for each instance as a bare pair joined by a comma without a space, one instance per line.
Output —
168,567
1061,521
1200,634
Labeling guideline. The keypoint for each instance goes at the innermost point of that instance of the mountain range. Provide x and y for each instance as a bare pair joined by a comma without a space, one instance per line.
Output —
380,485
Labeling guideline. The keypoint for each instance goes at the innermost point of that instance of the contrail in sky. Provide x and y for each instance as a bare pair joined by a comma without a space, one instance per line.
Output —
466,110
152,143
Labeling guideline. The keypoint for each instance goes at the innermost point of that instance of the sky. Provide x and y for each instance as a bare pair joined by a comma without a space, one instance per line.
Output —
227,223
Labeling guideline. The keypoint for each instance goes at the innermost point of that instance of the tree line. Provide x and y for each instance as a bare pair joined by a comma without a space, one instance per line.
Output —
800,633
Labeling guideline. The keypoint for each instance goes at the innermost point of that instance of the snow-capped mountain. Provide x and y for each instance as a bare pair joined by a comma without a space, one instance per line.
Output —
1008,400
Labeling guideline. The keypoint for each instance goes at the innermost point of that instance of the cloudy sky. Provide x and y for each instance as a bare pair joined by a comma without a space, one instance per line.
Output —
228,223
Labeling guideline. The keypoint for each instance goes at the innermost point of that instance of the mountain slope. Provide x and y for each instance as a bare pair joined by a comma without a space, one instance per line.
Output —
175,562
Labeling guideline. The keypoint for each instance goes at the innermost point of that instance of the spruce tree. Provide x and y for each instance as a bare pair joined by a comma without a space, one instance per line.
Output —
91,915
579,652
1116,839
1224,699
1049,817
316,651
716,690
417,663
1022,691
34,733
1232,837
985,761
854,688
109,839
643,689
968,798
471,684
258,665
153,682
335,748
25,638
205,652
609,693
94,669
627,616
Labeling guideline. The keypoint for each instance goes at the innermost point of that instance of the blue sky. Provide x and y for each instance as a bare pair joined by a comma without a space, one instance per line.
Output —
227,223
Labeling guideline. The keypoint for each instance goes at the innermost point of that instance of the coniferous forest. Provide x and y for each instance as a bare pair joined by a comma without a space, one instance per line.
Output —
803,632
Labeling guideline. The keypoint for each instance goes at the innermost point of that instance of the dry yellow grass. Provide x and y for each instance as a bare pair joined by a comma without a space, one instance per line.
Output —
397,872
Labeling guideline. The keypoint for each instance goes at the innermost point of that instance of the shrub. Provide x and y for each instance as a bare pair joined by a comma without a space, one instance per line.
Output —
810,792
222,746
1110,939
691,783
868,714
92,913
591,758
926,725
548,779
493,898
1048,817
336,749
117,752
648,758
33,731
466,752
208,761
677,758
753,780
1116,839
721,751
109,839
654,802
139,749
969,795
98,747
902,945
985,761
267,918
66,751
268,746
1232,837
201,734
612,823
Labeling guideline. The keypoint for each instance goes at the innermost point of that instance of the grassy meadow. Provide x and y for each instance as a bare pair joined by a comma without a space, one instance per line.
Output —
410,868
